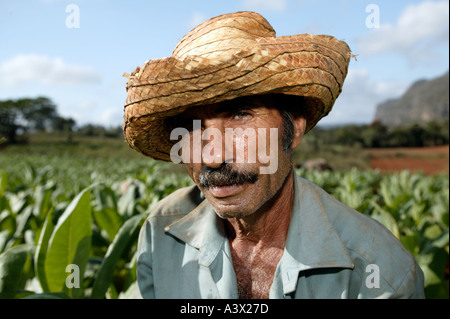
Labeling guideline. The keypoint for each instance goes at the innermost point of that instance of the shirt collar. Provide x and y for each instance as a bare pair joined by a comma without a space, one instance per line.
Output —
312,241
202,229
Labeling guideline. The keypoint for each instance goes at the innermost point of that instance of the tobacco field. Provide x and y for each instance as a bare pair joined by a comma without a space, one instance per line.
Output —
69,225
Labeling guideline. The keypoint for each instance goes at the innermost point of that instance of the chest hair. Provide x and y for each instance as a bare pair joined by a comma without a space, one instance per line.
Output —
255,269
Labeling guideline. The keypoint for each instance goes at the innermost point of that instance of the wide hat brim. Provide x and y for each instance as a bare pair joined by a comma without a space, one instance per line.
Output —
311,66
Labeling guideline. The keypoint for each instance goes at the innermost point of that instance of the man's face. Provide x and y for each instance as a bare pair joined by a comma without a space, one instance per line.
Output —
229,173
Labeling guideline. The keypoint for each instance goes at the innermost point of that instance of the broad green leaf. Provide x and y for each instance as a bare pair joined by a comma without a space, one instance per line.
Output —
105,274
22,221
3,183
433,267
433,231
108,220
445,219
411,243
386,219
70,244
438,242
43,203
130,276
3,239
127,202
12,263
7,222
41,251
104,197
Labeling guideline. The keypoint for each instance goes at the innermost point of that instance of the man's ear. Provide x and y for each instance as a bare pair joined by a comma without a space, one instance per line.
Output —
300,127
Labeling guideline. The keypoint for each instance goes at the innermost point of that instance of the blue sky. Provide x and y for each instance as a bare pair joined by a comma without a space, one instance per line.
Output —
80,68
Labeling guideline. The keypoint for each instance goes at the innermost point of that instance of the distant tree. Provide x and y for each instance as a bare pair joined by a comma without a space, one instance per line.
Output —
92,130
63,124
412,135
39,113
445,131
436,134
374,135
10,121
416,135
26,114
100,131
348,135
378,134
114,131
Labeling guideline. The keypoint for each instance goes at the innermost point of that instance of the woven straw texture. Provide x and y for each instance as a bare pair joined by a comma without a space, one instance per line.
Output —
226,57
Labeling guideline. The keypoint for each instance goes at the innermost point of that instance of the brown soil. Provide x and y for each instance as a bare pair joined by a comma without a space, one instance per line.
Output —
429,160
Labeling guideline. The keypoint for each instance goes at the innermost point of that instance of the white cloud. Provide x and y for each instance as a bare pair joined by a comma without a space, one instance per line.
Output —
260,5
360,96
45,70
418,29
91,111
82,112
112,116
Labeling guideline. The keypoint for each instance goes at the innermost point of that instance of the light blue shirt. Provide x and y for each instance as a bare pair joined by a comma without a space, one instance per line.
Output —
331,251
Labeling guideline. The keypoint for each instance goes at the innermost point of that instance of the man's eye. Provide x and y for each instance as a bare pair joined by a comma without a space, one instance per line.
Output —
241,115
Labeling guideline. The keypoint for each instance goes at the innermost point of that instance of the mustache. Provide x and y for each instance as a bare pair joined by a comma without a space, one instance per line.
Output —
224,175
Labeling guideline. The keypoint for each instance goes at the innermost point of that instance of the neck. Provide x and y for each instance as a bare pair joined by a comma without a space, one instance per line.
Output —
271,222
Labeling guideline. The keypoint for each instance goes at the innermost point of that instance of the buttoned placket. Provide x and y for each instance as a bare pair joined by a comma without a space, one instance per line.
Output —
311,243
204,230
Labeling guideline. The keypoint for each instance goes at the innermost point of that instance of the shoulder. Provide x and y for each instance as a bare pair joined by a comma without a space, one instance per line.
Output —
358,231
370,244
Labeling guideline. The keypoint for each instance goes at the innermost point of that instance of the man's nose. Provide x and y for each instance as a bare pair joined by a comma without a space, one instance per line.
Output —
213,149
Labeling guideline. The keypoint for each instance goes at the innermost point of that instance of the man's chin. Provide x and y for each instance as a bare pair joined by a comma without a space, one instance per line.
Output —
226,214
228,208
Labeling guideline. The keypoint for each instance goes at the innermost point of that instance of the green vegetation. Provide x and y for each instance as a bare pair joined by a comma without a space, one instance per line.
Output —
82,203
374,135
60,210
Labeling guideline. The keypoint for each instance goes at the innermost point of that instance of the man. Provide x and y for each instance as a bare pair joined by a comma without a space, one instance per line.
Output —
251,228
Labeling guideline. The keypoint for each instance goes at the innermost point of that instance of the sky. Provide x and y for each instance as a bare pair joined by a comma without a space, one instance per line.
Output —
75,52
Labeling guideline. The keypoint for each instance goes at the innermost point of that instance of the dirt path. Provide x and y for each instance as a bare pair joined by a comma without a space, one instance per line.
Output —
429,160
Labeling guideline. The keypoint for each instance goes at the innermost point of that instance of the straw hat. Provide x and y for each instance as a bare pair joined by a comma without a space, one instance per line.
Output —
227,57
